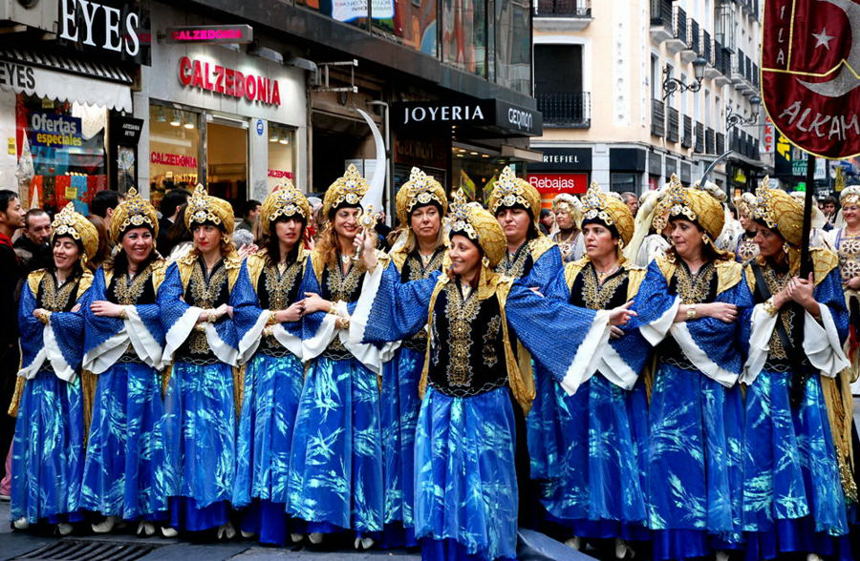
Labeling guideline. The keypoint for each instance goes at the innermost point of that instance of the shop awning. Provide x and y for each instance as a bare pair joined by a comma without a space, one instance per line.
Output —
65,78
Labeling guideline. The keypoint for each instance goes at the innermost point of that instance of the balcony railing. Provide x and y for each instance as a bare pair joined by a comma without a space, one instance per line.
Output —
658,118
745,145
672,123
572,110
563,8
694,41
721,143
709,141
700,138
661,13
687,139
706,47
680,27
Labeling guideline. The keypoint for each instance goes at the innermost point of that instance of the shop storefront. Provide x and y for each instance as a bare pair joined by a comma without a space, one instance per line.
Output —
58,100
219,115
563,170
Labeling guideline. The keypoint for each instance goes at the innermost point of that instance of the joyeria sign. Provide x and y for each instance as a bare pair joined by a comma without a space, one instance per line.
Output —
229,82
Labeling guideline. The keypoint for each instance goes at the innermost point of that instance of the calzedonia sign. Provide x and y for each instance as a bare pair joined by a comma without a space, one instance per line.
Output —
222,80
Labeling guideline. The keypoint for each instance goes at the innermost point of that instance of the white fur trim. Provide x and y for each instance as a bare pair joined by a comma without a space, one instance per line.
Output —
699,358
656,331
588,355
179,332
145,345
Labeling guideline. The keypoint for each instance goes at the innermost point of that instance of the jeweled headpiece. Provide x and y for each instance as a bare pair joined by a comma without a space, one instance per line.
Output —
745,203
203,208
67,222
693,204
850,195
286,201
473,220
347,190
611,212
420,190
133,212
511,191
780,212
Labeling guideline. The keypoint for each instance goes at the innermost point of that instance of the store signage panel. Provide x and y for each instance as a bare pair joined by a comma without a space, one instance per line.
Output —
111,27
222,80
48,129
175,160
555,183
125,131
563,159
482,112
241,34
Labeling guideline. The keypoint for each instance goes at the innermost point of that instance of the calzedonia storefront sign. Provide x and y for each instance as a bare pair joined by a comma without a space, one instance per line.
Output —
505,118
222,80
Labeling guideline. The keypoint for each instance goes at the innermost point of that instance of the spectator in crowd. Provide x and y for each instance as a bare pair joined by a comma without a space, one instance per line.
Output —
33,246
103,251
547,219
632,202
103,205
170,205
179,237
11,219
829,208
249,216
244,242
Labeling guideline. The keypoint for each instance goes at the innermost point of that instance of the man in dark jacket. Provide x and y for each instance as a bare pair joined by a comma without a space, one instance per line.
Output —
33,246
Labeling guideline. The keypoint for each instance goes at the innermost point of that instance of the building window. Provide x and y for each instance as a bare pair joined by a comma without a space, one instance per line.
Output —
622,182
281,155
174,149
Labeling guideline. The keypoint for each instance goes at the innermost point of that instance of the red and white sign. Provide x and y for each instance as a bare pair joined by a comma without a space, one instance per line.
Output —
280,174
768,136
175,160
554,183
219,79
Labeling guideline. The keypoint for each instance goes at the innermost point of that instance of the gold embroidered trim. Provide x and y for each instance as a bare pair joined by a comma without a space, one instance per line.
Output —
56,299
340,286
597,296
279,284
490,337
460,314
205,293
419,271
776,282
514,267
695,289
128,293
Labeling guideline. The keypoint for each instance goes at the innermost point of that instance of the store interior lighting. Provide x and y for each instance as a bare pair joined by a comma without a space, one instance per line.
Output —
175,120
160,116
273,136
189,122
284,140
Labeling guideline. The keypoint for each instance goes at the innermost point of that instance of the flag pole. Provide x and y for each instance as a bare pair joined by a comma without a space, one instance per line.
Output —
805,262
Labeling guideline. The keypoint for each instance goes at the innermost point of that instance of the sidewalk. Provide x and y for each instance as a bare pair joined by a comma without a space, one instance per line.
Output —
16,545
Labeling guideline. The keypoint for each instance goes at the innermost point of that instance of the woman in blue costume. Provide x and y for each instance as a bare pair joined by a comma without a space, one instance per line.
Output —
421,204
336,471
603,414
536,258
48,447
196,301
466,504
123,345
274,376
793,493
689,305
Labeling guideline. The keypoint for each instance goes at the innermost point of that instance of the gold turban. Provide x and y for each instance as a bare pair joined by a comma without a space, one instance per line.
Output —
570,204
421,189
597,205
133,212
286,201
745,204
780,212
850,195
693,204
203,208
510,191
349,189
479,226
67,222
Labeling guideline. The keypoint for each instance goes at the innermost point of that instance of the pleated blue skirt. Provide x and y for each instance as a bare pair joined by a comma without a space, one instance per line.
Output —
336,471
48,451
466,485
400,406
199,432
694,481
120,477
600,489
544,431
793,497
273,386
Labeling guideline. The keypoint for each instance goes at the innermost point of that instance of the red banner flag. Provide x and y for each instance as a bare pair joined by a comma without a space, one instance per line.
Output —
811,73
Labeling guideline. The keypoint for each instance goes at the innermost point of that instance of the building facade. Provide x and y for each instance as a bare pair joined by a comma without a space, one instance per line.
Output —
614,105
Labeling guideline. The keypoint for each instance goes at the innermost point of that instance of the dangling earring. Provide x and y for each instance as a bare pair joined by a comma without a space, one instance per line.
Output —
705,239
485,261
785,247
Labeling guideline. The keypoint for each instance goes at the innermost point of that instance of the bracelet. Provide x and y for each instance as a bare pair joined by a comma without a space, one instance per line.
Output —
769,307
691,312
341,323
273,318
123,314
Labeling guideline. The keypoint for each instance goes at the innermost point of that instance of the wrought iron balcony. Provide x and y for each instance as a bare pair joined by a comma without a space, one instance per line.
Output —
658,118
672,125
563,8
565,110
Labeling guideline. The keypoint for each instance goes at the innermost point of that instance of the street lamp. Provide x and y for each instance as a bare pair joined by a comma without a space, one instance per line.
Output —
672,85
737,120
